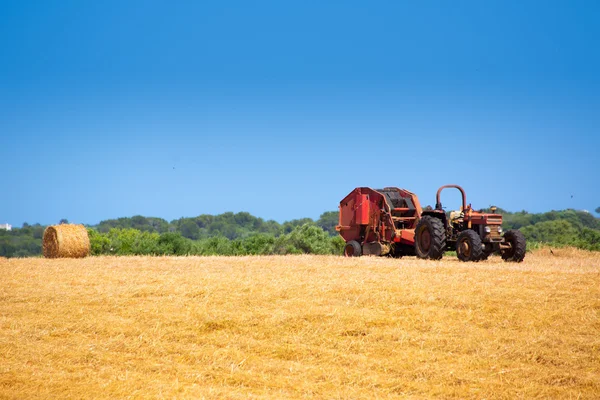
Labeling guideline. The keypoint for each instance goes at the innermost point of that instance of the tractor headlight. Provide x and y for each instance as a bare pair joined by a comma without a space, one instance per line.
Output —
487,229
499,229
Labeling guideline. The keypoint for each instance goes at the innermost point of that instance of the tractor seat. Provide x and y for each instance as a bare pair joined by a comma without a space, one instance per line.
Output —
456,216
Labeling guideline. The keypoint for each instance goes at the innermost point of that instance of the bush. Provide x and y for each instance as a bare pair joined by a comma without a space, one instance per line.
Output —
337,245
130,241
311,239
218,245
557,232
307,238
259,244
122,240
589,239
99,243
283,245
146,243
172,243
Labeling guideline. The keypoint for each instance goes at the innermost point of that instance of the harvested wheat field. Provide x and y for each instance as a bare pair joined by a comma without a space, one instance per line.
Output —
300,327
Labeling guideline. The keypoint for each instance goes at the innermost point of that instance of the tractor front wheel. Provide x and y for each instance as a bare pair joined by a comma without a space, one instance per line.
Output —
430,238
486,254
518,246
468,246
353,249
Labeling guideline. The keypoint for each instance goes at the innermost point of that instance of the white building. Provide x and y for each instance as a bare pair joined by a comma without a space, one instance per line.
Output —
6,227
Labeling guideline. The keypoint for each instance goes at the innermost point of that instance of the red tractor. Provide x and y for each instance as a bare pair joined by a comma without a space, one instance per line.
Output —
474,235
390,221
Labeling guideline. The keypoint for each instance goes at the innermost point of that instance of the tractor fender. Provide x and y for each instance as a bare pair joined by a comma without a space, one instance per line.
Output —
437,214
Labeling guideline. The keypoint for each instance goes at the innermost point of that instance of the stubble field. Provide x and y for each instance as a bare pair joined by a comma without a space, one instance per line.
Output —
300,327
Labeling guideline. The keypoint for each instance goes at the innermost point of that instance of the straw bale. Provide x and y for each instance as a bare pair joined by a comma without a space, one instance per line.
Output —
66,241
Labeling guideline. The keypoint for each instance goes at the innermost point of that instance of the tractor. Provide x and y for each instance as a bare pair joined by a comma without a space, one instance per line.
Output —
391,222
473,234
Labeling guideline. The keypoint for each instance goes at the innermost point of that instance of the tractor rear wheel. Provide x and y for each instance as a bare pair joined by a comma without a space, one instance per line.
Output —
353,249
518,246
468,246
430,238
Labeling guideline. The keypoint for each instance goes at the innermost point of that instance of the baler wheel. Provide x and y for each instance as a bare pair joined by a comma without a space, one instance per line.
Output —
468,246
353,249
430,239
518,246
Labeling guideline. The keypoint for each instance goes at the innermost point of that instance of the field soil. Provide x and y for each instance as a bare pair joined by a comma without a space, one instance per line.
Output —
300,327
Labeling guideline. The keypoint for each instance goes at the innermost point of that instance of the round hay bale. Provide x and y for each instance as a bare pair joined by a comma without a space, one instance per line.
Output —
66,241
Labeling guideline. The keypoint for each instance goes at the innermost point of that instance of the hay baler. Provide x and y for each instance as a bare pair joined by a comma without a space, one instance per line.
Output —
379,221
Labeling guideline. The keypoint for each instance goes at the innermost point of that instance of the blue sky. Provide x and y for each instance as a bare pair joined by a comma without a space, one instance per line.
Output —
280,108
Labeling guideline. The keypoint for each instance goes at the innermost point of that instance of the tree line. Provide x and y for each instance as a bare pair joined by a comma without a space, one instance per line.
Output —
244,234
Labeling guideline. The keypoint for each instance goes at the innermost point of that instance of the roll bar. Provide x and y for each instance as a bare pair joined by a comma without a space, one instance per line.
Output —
438,203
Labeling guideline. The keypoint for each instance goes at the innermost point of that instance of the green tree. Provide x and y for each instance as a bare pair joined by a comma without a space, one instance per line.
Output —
146,224
172,243
138,222
7,248
37,231
557,232
597,210
328,221
271,227
189,229
289,226
157,225
204,220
